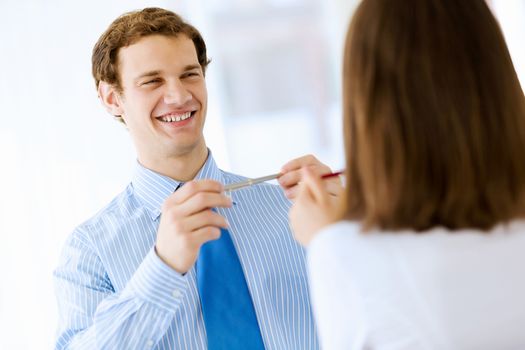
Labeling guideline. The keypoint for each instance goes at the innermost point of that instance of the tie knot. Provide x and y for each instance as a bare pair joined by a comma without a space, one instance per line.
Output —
178,186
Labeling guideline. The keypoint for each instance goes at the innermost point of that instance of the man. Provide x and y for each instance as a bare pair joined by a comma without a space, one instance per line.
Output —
137,275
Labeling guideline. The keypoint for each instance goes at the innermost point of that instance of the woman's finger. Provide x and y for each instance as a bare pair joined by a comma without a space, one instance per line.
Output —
315,185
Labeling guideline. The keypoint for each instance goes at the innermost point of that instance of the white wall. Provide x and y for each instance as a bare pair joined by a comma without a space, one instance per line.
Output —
511,15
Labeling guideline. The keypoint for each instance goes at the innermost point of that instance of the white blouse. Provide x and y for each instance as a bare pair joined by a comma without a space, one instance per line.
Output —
434,290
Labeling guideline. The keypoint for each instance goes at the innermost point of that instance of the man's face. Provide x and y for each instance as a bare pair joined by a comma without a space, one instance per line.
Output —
164,98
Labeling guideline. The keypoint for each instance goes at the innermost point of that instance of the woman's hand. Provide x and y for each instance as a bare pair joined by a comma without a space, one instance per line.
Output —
292,176
314,207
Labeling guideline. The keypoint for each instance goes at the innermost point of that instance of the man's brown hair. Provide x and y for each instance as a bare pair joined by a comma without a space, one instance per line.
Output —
131,27
434,117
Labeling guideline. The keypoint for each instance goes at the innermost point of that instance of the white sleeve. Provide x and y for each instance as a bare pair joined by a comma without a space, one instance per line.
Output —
336,302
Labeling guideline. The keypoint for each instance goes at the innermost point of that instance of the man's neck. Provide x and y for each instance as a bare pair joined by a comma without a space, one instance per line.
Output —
181,168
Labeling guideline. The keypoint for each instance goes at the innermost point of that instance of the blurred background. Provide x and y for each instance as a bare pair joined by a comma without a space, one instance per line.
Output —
274,94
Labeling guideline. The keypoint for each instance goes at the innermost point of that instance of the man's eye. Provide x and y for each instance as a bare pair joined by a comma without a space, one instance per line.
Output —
192,74
152,81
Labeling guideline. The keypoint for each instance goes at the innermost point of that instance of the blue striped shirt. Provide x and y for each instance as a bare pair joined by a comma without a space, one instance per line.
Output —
114,292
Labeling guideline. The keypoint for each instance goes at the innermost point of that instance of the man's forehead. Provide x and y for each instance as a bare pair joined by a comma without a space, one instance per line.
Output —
157,53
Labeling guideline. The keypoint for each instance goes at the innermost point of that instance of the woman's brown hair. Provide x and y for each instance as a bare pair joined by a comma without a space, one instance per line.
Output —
434,117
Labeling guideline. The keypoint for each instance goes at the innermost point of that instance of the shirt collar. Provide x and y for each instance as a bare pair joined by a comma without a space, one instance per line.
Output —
152,188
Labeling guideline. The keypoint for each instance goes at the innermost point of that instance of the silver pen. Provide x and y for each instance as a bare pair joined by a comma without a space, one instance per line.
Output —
249,182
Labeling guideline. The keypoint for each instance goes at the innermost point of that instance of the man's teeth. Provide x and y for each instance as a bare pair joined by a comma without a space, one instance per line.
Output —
174,118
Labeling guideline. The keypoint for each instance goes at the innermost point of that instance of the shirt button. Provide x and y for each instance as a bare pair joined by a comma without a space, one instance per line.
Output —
176,294
150,343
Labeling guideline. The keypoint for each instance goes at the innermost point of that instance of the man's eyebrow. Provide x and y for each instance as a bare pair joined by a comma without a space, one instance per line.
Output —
192,66
148,74
154,73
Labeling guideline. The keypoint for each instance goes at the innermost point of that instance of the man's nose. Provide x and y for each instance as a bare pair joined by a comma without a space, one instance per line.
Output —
176,93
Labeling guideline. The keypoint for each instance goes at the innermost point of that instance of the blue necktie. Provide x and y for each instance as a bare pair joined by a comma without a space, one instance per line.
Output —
227,306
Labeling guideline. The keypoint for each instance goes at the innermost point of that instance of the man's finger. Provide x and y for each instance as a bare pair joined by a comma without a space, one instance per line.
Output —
203,219
205,234
189,189
201,201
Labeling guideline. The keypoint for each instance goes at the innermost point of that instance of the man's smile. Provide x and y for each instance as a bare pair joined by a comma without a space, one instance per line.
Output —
175,117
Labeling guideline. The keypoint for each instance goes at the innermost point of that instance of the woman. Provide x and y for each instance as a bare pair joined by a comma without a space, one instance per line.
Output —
428,249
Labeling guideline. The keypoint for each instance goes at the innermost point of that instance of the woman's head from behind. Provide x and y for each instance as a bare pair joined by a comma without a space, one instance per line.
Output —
434,117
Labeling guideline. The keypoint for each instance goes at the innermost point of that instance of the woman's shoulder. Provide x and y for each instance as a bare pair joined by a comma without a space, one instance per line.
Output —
347,240
343,235
336,241
341,230
352,230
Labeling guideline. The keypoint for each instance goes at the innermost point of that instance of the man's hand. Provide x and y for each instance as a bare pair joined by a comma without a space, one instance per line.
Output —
187,222
292,176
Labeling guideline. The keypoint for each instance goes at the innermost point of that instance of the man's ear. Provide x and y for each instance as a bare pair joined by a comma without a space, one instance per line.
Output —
110,98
